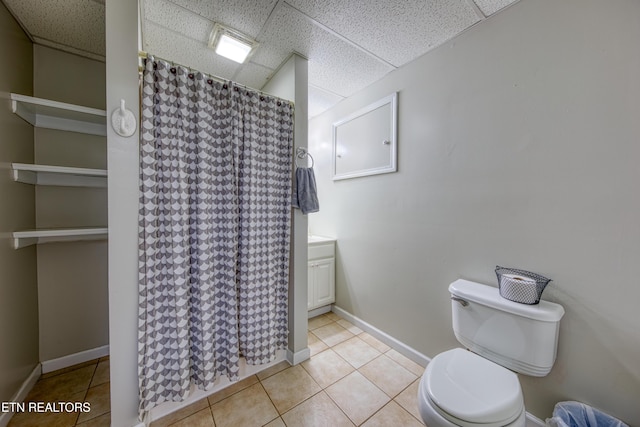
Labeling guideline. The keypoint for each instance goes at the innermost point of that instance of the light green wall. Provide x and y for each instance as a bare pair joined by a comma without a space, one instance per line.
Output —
18,284
519,146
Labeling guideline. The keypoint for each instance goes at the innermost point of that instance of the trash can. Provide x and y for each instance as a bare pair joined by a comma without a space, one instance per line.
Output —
576,414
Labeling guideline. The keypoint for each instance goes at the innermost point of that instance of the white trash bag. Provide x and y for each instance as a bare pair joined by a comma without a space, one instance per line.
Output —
576,414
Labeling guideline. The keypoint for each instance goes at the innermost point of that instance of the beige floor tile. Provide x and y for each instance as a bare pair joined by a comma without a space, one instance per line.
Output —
276,423
332,334
202,418
247,408
408,399
315,344
100,401
290,387
61,387
232,389
406,362
327,367
48,419
319,411
392,415
388,375
101,374
181,413
349,326
273,370
331,315
318,321
374,342
357,397
69,369
101,421
356,352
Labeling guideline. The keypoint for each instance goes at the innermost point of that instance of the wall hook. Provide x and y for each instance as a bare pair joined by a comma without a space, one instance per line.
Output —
123,121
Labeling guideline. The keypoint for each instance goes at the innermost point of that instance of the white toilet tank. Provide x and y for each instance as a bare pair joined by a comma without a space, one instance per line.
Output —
520,337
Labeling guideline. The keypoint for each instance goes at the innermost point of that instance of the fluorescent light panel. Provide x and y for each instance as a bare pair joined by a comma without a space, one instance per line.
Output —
233,49
230,43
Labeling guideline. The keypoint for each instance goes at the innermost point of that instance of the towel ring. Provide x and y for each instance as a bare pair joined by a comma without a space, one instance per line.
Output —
303,154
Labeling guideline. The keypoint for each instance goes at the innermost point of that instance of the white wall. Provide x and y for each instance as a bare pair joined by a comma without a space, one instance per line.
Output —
123,161
518,146
291,82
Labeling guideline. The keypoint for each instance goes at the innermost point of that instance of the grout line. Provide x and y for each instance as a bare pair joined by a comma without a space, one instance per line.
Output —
86,392
271,400
339,407
479,13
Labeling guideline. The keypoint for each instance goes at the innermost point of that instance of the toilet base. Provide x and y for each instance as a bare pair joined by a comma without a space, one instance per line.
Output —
433,419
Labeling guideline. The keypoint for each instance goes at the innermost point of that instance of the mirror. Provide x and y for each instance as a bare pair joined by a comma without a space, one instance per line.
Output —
364,143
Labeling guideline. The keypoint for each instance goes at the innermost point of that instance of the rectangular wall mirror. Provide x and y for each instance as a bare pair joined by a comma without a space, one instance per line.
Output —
364,143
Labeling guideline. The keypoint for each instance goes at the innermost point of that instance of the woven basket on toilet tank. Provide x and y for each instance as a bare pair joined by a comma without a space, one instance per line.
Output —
520,286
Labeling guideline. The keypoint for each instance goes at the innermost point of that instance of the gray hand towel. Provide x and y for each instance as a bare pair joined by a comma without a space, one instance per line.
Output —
305,196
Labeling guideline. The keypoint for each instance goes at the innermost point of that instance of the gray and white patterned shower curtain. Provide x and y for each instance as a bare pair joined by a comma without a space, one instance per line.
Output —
215,192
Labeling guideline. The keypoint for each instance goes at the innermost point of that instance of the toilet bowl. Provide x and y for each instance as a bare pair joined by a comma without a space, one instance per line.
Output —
460,388
479,386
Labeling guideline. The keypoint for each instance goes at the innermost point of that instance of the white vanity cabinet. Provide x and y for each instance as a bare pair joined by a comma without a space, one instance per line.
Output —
321,272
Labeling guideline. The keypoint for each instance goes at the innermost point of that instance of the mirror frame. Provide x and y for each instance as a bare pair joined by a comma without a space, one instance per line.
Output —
392,165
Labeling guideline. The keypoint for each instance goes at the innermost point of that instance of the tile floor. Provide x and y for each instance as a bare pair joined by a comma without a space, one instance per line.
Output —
352,379
86,382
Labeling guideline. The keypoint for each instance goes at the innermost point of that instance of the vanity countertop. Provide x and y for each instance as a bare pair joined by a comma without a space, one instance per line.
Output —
313,239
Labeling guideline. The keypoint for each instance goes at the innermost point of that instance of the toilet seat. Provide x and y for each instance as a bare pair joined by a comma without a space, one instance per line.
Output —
469,390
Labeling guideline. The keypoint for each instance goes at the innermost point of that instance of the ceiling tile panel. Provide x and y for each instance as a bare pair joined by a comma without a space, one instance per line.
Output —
489,7
247,16
396,31
253,75
334,64
178,19
182,50
75,23
350,43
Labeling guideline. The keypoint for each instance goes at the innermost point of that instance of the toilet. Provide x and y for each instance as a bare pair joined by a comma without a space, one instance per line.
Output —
479,386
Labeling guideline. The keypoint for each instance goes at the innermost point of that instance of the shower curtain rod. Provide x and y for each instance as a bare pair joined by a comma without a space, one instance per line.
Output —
143,54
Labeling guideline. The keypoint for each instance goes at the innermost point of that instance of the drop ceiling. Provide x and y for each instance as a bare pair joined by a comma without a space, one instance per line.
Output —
349,43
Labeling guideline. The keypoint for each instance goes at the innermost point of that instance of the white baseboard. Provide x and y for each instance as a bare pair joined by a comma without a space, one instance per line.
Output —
298,357
74,359
22,393
395,344
533,421
318,311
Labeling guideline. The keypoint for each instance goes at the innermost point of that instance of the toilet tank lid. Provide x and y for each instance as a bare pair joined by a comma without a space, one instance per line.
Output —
545,311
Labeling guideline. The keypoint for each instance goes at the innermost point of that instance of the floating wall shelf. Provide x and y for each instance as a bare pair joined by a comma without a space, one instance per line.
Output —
22,239
59,175
44,113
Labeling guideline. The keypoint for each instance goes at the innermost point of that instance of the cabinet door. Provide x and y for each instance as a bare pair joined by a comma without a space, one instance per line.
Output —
324,272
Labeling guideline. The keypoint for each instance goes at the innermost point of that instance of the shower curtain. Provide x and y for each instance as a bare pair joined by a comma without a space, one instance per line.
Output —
214,227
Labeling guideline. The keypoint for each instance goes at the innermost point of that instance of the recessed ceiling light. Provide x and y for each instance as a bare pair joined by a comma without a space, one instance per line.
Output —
231,43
